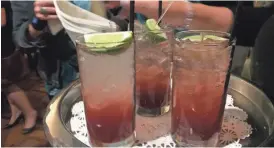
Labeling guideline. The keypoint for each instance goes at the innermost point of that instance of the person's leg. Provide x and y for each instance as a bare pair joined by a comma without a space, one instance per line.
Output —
9,87
15,113
19,99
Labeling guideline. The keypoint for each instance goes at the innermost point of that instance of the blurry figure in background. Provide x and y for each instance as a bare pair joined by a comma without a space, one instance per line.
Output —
204,17
141,18
258,4
262,59
12,71
116,14
57,62
123,14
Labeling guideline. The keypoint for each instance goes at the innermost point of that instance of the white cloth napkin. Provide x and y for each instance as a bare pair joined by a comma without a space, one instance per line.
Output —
78,21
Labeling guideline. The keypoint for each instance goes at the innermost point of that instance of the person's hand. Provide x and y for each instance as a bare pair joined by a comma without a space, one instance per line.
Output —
3,17
174,15
44,10
111,4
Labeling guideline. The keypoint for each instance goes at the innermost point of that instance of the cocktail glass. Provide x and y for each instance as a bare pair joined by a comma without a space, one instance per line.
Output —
107,85
153,57
201,60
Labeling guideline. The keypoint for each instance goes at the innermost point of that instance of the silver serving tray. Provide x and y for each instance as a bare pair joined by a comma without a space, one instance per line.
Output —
246,96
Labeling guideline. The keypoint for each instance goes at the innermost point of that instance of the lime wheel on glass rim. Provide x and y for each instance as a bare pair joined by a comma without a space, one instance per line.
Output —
108,42
199,38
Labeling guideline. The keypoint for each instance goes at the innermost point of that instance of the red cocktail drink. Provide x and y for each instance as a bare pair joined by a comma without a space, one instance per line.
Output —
197,107
152,85
200,69
110,123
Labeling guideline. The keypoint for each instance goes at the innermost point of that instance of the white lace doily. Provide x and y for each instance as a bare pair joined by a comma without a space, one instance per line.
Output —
234,128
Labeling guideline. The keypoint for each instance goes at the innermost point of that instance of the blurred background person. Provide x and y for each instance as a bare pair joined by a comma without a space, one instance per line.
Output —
57,60
262,61
12,68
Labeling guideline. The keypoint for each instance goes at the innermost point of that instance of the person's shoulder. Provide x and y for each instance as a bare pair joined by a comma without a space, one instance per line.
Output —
22,4
22,7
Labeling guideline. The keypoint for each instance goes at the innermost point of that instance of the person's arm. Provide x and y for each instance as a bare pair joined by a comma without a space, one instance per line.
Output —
205,17
211,18
3,13
23,32
3,17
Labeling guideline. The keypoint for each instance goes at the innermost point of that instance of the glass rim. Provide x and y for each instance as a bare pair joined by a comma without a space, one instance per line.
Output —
205,31
86,47
81,42
161,30
79,38
226,36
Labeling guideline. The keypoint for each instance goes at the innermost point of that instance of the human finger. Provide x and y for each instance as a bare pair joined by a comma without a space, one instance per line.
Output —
45,10
43,3
46,17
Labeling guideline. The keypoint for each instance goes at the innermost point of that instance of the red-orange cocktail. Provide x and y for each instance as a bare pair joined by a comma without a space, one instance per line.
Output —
200,68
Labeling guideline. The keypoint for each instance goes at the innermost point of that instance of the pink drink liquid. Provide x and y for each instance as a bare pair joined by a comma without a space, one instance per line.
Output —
112,122
152,85
196,111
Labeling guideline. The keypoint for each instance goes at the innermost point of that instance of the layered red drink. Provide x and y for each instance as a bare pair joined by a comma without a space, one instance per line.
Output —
106,65
152,85
153,78
110,123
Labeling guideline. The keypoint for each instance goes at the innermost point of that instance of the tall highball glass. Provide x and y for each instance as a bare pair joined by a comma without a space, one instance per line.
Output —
153,60
107,85
201,60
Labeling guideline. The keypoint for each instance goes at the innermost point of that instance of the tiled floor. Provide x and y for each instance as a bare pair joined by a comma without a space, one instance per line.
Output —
37,96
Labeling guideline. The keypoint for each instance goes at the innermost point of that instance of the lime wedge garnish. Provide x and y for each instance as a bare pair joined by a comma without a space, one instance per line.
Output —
199,38
103,42
152,25
155,30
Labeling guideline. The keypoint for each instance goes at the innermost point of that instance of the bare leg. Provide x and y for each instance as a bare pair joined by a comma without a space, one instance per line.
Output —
20,100
15,112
